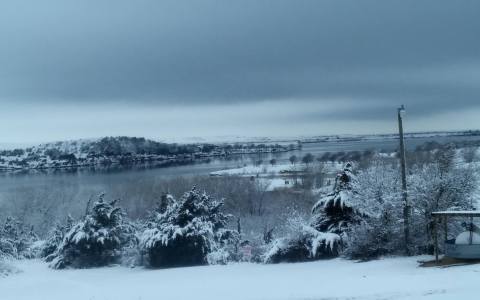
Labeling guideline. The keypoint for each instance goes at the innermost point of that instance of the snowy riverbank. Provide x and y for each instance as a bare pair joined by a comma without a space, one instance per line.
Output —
275,170
391,278
277,176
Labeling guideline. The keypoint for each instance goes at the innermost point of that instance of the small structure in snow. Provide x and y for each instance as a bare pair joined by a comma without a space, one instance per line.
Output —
467,244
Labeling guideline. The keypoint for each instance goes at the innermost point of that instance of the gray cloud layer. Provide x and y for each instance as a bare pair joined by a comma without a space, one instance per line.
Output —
372,55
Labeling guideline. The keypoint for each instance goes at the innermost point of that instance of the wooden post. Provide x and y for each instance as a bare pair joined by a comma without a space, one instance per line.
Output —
445,227
406,206
435,238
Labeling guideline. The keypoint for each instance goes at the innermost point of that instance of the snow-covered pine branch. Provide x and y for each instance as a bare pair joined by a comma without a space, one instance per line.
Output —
97,240
187,232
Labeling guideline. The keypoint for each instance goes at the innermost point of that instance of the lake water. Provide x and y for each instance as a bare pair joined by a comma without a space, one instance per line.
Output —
9,181
76,186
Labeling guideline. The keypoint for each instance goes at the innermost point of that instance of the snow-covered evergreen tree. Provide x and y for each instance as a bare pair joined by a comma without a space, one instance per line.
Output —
97,240
55,238
334,212
323,237
190,231
302,242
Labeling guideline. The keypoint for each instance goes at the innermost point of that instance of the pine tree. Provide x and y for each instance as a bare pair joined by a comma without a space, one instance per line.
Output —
97,240
302,243
187,232
322,237
334,212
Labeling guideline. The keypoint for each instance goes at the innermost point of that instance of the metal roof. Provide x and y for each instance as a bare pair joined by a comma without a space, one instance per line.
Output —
457,213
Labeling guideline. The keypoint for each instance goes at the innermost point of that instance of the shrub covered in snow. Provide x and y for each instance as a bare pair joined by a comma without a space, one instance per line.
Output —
187,232
302,243
97,240
54,239
16,239
7,249
323,237
374,237
433,186
380,229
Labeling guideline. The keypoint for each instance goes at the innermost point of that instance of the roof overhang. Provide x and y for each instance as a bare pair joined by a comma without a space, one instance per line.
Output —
457,213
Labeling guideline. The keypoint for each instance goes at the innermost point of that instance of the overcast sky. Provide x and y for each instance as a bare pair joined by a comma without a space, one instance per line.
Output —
162,69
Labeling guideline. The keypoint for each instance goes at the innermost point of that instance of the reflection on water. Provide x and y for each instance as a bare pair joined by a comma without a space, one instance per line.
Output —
111,178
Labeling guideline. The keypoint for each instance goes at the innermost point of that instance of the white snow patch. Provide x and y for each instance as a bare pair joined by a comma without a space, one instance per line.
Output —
392,278
260,169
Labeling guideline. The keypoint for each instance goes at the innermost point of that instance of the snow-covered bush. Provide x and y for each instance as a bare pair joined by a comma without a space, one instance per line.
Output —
379,232
302,243
323,236
7,249
16,239
54,239
374,237
435,187
219,257
95,241
187,232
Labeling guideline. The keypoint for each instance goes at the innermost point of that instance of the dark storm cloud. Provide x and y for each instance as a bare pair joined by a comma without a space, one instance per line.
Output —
224,51
371,54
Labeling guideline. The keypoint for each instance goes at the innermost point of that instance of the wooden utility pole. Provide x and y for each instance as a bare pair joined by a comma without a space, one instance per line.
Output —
406,206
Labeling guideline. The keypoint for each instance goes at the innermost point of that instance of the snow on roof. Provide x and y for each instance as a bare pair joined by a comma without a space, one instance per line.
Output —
467,213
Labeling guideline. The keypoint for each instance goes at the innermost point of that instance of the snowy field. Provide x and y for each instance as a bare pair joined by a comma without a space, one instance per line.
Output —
263,170
271,176
267,170
392,278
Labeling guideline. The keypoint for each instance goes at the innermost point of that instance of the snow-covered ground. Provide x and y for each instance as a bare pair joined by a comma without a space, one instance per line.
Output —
272,175
269,175
263,170
391,278
272,184
267,170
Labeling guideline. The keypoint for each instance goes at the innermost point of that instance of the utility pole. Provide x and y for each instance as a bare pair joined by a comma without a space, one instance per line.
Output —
406,206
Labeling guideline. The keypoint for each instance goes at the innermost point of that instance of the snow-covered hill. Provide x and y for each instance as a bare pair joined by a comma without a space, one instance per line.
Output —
123,151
